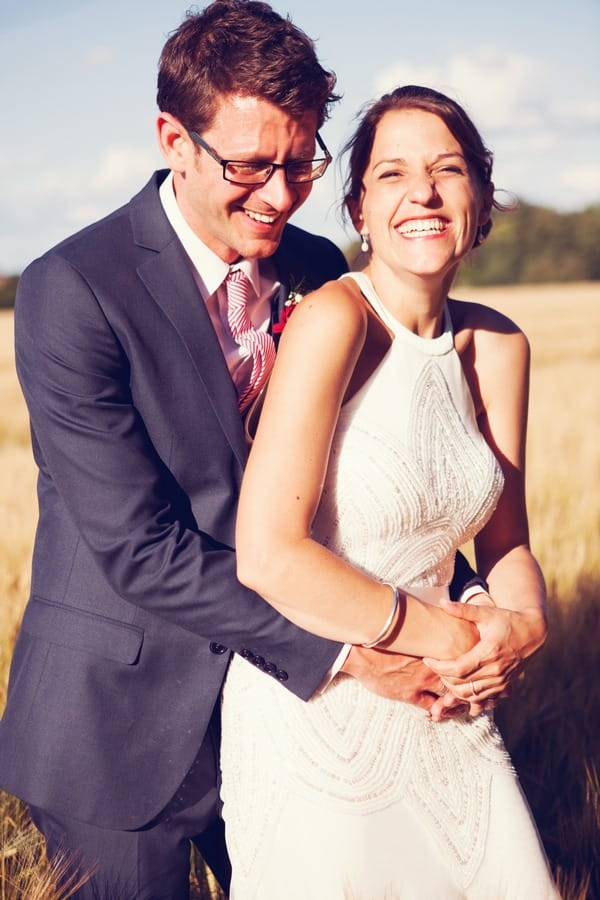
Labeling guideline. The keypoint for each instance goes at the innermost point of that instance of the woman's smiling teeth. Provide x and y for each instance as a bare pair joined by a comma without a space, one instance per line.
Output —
422,227
260,217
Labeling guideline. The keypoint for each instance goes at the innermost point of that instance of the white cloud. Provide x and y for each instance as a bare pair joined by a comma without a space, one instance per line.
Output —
541,122
116,171
500,90
407,73
119,166
98,56
52,203
504,91
581,111
583,179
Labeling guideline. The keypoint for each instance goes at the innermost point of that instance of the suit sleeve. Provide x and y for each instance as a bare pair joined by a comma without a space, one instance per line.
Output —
463,578
97,460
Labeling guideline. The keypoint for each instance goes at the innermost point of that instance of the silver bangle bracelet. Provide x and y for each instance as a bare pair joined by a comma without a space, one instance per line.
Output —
387,625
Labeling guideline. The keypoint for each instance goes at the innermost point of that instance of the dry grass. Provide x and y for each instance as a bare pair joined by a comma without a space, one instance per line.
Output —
18,503
550,728
550,723
562,323
24,871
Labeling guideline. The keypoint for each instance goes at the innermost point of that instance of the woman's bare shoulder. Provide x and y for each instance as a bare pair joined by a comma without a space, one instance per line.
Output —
337,305
483,326
469,314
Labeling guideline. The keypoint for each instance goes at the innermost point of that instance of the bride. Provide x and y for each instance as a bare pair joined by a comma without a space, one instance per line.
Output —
393,432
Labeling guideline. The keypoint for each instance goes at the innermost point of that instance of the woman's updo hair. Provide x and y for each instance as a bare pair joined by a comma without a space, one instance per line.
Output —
411,96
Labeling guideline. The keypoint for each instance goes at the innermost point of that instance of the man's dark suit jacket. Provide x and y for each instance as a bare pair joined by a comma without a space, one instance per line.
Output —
134,601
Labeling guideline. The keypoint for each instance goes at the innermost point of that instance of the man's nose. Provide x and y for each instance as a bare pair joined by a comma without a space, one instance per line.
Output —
278,192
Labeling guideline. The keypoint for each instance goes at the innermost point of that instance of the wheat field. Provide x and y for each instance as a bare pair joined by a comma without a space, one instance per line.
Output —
562,323
549,722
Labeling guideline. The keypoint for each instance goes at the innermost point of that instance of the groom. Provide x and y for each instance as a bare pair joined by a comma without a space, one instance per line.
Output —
132,376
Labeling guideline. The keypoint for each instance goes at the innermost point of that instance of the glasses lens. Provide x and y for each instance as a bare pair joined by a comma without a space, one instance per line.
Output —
247,173
297,172
259,173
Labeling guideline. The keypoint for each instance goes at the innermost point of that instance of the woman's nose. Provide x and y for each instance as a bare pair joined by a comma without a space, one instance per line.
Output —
421,188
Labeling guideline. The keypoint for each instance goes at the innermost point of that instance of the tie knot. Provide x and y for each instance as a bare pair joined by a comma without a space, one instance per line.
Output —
238,295
236,278
258,344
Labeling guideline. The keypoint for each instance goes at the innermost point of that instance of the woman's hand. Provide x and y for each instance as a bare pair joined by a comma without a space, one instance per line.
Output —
447,703
420,624
507,637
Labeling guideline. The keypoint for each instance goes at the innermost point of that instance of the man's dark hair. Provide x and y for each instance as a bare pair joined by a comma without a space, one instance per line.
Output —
240,47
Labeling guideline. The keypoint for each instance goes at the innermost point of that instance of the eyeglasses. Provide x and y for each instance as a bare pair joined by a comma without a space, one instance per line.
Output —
242,172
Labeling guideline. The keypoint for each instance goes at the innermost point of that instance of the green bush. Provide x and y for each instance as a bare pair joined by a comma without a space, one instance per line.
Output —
530,245
8,289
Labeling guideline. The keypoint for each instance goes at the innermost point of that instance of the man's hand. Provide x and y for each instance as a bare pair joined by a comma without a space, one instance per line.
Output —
400,677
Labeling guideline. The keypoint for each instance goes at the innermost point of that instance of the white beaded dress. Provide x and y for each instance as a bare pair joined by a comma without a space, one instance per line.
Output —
352,796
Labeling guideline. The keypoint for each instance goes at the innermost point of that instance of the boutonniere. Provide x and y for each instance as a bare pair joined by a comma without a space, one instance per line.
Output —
293,299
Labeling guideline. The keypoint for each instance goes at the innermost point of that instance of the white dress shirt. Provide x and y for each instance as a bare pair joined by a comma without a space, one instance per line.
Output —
209,273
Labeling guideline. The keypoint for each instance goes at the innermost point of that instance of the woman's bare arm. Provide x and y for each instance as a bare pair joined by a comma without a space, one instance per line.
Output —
282,487
517,626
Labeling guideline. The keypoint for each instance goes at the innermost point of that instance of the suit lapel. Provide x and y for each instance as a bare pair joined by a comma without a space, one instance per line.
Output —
278,301
284,265
167,276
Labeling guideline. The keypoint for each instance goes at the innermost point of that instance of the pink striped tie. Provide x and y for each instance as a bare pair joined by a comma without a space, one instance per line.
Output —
258,343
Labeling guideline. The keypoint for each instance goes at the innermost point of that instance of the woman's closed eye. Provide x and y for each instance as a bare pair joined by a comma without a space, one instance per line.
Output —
390,174
449,169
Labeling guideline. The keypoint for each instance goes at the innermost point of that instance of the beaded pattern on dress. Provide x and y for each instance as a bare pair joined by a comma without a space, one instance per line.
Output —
412,505
405,487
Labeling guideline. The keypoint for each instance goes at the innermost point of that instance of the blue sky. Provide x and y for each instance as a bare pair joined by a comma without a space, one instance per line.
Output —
78,98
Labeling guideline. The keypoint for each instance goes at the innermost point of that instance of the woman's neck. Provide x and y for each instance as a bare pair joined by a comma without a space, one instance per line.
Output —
416,301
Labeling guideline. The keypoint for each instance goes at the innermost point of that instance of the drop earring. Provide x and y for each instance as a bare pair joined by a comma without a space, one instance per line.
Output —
365,243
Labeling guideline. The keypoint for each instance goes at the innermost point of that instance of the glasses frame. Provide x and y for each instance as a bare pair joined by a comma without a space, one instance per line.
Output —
270,166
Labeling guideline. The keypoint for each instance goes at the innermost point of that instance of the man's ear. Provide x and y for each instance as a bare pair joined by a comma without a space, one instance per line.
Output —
174,142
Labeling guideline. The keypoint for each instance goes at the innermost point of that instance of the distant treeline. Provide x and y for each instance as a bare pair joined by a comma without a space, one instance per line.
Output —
8,289
527,245
531,244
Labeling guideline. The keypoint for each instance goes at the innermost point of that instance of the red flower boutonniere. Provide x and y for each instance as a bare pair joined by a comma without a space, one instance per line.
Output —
293,299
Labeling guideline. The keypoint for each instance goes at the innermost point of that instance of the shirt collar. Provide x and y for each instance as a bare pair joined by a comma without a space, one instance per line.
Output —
210,268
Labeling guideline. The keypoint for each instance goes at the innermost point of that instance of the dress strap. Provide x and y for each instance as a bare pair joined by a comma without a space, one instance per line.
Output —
432,346
365,285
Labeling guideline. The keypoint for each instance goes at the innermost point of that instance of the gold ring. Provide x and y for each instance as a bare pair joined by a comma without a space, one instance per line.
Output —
442,689
473,689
